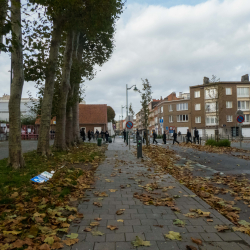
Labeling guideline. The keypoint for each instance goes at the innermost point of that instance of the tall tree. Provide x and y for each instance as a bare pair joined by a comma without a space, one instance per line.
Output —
111,114
3,15
15,148
146,98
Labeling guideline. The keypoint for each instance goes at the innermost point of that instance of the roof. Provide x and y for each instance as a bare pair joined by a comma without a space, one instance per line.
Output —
38,120
222,82
93,114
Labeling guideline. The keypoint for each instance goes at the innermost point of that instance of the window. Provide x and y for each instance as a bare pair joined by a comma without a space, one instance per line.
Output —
243,92
182,106
243,105
162,109
211,120
182,118
228,91
247,118
211,93
198,119
211,107
170,107
197,94
229,118
156,120
197,106
170,118
229,105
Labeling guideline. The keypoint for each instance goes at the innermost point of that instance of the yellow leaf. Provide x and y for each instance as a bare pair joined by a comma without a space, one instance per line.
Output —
49,240
173,235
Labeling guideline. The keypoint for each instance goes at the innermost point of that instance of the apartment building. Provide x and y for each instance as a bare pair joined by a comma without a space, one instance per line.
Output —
215,106
175,113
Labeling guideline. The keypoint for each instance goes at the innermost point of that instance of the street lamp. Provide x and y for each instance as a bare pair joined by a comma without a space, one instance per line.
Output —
135,89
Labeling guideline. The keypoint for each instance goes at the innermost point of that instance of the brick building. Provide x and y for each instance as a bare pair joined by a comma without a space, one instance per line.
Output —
93,116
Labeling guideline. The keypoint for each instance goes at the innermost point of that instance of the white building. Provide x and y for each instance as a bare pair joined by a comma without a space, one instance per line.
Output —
4,107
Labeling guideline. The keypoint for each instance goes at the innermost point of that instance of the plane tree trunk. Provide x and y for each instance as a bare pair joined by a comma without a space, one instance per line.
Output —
43,140
15,147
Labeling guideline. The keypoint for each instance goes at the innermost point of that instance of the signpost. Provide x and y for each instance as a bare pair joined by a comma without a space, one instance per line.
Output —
129,126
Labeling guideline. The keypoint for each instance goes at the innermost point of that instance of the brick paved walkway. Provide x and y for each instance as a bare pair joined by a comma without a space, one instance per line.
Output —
141,220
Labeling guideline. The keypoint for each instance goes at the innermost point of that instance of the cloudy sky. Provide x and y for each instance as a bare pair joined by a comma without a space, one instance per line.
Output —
172,43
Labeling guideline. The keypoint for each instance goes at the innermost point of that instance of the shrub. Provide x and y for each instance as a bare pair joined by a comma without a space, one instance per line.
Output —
221,143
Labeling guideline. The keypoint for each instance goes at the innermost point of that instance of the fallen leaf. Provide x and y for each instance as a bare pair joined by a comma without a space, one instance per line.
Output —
196,241
179,223
120,211
72,236
49,240
222,228
112,190
44,247
173,235
98,219
120,220
94,224
87,229
57,245
139,242
70,242
112,227
18,244
97,233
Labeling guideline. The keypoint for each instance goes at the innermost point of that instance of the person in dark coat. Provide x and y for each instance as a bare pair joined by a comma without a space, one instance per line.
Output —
89,135
102,134
188,136
82,132
154,137
164,137
175,137
124,135
196,135
97,134
107,136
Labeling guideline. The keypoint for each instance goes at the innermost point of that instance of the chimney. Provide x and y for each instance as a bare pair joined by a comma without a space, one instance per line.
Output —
205,80
245,78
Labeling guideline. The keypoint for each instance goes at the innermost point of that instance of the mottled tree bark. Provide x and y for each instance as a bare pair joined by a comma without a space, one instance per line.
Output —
43,140
69,119
60,142
15,148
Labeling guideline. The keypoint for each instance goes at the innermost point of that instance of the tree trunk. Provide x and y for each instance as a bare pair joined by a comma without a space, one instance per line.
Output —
60,142
15,147
69,119
76,80
43,140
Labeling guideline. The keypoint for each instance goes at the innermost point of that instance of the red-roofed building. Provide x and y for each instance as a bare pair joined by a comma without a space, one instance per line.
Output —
93,116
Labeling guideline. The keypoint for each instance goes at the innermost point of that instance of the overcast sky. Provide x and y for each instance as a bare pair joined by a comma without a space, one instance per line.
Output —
173,43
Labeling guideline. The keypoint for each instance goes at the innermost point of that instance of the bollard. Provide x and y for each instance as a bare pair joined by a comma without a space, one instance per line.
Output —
139,147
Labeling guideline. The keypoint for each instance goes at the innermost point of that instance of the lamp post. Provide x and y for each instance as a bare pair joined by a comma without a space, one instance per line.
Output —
135,89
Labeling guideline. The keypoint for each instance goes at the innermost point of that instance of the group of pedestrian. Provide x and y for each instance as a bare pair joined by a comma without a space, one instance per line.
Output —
92,135
188,136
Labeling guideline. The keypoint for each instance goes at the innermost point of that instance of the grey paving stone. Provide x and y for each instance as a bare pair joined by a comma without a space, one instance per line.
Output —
83,246
124,246
154,236
164,222
107,216
132,236
154,216
125,229
115,237
166,245
195,229
210,229
149,222
245,237
105,246
135,222
228,246
229,236
138,216
142,229
210,237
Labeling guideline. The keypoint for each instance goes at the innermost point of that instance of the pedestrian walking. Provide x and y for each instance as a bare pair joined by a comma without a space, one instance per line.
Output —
102,135
89,135
175,137
92,134
154,137
97,134
82,132
188,136
107,136
124,135
196,135
164,137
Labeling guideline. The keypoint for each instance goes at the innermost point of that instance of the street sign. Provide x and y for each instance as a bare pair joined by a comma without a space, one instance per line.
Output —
239,112
161,120
166,128
240,119
161,125
129,125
